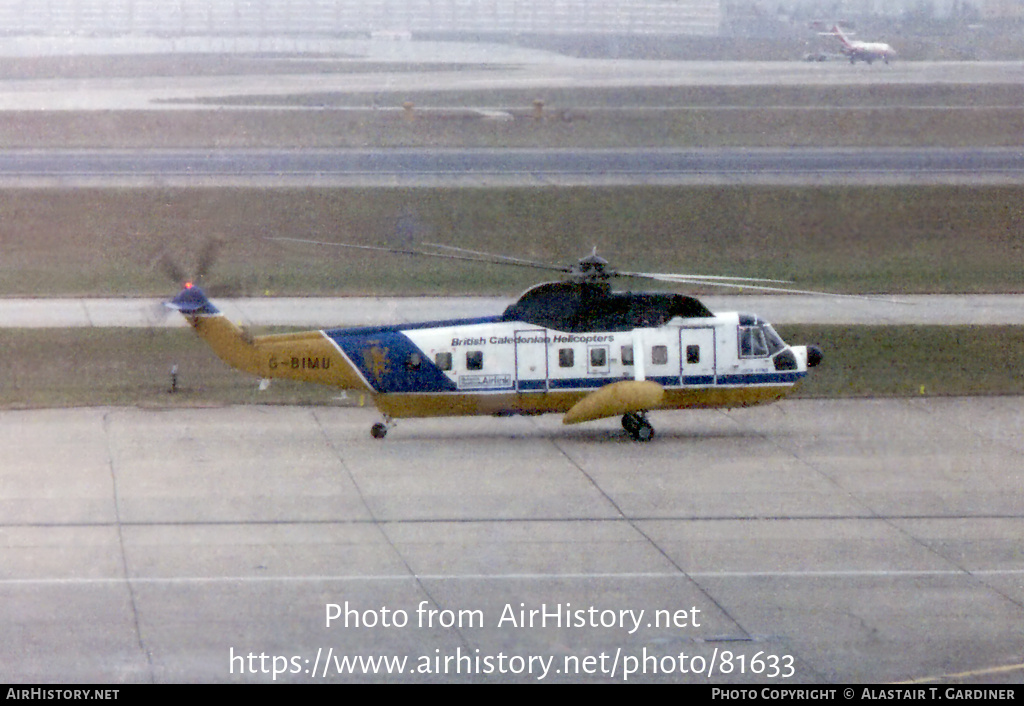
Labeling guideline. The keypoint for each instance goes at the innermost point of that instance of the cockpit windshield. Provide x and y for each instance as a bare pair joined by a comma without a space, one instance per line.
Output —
774,340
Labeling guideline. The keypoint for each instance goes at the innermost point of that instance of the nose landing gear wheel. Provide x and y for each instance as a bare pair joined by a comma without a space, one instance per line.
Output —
379,430
645,432
637,426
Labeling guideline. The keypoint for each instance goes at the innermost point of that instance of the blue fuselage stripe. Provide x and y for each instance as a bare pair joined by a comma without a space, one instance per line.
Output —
761,378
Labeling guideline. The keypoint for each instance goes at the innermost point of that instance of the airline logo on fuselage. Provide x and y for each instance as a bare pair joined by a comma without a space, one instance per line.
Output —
556,338
485,382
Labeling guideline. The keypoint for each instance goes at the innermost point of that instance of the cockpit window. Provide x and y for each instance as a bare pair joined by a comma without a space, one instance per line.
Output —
759,341
752,342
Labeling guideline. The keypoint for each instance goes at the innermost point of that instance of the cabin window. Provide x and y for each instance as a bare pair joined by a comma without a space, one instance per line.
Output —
414,361
752,342
474,360
566,357
627,355
598,357
443,361
659,355
692,355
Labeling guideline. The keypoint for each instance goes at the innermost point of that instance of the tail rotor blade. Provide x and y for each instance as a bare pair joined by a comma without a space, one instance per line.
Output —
208,257
166,264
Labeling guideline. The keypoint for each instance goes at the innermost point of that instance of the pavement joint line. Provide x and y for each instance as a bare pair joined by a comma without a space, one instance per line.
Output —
813,574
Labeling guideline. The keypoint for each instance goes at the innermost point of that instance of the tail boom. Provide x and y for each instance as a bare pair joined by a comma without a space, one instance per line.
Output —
308,356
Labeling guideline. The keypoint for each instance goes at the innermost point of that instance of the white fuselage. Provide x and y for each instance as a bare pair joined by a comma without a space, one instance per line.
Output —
498,366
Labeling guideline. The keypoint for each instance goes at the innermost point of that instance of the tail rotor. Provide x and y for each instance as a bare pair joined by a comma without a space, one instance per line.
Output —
206,258
192,283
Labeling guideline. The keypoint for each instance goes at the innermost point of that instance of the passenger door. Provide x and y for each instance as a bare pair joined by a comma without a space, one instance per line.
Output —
697,355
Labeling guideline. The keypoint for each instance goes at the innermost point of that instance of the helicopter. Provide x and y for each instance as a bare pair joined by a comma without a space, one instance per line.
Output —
574,347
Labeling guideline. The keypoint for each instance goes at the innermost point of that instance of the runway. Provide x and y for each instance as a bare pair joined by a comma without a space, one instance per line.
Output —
813,541
481,67
491,167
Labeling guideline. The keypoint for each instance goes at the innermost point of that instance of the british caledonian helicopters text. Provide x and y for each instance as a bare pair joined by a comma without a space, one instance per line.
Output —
573,347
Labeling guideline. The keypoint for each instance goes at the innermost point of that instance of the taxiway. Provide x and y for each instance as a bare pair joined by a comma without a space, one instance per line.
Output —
843,541
325,312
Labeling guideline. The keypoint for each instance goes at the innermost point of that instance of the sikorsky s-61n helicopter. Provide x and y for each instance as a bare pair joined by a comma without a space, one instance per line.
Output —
573,347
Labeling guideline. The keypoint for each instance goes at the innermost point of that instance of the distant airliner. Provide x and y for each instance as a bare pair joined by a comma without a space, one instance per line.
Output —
865,51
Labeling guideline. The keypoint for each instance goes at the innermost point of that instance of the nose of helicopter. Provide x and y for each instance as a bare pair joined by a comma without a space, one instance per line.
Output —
814,356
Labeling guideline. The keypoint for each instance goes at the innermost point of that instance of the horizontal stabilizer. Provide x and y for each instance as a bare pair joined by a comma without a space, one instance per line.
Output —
192,301
615,399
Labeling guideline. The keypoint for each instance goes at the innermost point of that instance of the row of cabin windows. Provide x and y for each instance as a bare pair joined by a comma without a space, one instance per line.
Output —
599,356
566,357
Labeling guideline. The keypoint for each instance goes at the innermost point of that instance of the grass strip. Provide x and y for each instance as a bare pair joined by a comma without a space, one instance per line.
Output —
856,239
906,361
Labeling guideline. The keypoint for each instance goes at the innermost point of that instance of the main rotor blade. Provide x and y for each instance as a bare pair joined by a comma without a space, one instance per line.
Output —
743,283
670,277
488,259
503,259
704,281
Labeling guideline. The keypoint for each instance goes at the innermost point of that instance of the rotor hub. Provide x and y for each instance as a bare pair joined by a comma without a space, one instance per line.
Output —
593,267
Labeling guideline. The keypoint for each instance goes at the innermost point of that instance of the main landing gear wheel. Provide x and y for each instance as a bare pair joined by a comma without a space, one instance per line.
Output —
379,430
637,426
